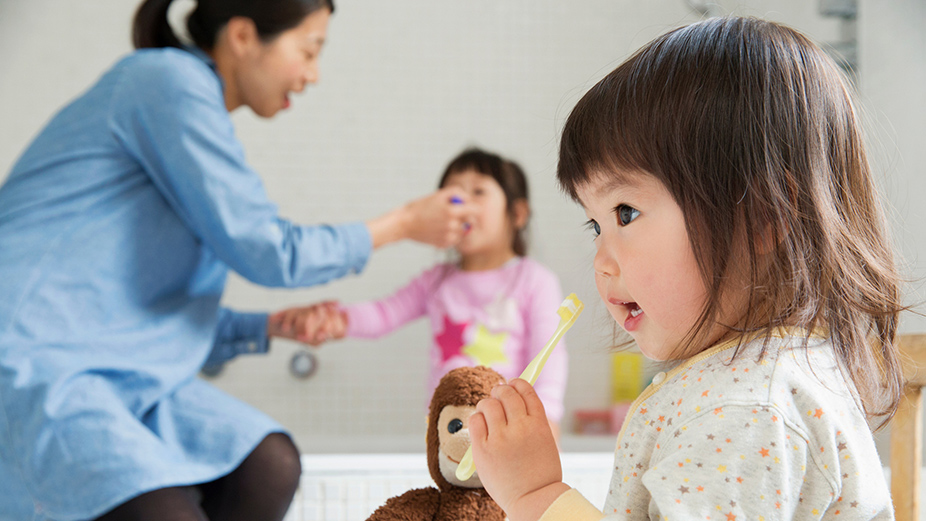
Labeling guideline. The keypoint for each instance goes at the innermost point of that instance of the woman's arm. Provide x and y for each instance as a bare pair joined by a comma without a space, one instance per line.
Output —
434,220
238,333
167,113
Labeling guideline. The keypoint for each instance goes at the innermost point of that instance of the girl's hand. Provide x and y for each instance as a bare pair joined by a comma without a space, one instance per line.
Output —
311,325
514,451
436,220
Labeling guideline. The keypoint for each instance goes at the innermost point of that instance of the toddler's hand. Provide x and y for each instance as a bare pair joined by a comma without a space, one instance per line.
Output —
514,451
311,325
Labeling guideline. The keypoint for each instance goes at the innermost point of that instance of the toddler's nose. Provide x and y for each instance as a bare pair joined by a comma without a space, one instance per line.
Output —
605,264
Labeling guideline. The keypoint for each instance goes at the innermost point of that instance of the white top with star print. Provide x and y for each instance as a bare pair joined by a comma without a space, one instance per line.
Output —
777,437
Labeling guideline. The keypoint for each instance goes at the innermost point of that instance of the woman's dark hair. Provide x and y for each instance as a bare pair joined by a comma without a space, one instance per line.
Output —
751,127
150,27
506,173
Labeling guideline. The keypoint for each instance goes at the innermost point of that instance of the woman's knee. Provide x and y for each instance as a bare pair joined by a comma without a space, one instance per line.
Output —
276,459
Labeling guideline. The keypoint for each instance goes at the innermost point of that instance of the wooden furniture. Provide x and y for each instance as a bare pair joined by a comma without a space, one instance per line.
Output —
907,430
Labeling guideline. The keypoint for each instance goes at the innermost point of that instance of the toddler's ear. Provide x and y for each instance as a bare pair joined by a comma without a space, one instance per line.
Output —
520,213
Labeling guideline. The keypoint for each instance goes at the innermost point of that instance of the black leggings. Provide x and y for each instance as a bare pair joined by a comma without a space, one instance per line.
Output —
260,489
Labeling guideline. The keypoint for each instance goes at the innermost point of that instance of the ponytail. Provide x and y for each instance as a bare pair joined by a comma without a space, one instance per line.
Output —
150,27
271,17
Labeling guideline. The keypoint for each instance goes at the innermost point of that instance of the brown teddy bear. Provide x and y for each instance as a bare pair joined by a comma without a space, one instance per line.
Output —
453,402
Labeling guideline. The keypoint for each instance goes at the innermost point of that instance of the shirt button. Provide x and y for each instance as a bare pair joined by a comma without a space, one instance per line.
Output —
252,346
658,378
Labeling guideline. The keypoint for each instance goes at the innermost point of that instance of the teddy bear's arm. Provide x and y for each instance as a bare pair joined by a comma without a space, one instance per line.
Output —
461,504
420,504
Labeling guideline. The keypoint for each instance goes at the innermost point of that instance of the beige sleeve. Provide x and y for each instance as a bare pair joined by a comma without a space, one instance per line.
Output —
573,506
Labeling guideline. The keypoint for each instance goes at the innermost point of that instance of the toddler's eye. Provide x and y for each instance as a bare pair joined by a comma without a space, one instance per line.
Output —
454,426
593,226
626,214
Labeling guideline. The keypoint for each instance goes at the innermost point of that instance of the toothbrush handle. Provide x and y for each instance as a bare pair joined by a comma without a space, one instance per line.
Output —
532,371
467,467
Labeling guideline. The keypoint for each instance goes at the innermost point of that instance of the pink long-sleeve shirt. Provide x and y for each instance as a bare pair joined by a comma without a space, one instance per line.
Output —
499,318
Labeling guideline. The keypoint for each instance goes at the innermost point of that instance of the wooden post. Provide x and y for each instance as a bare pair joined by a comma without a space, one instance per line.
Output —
906,455
907,430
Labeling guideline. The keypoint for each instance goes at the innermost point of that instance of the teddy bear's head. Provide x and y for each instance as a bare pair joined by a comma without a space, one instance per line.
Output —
453,402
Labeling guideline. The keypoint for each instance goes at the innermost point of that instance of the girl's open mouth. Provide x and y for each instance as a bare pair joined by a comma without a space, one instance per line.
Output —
634,316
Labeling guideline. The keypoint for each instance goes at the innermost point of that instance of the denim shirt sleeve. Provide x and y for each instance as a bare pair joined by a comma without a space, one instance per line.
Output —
238,334
168,112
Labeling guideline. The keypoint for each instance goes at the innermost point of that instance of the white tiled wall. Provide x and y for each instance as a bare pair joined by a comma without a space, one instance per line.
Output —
405,85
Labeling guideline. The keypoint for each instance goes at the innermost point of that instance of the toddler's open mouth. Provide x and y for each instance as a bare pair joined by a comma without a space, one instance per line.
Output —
634,313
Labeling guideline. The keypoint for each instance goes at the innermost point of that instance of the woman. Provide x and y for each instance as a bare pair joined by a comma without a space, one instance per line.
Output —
117,228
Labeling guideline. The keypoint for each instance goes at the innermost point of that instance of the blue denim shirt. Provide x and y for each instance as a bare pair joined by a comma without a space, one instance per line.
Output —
118,225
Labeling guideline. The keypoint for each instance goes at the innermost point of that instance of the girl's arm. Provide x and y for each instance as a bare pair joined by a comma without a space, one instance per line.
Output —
376,318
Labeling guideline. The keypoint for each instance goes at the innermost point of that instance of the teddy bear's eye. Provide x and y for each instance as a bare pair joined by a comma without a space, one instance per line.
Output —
454,426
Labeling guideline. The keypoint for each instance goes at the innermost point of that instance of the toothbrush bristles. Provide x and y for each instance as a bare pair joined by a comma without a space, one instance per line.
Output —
570,307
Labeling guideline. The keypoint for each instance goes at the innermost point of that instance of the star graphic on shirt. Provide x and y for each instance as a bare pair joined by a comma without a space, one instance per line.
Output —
450,339
486,348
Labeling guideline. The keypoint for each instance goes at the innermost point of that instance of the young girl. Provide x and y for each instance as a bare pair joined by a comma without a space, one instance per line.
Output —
738,234
118,226
494,307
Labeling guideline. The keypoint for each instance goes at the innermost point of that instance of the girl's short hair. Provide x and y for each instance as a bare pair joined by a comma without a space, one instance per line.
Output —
150,27
751,128
506,173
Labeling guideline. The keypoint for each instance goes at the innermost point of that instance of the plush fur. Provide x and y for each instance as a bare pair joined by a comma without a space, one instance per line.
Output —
464,386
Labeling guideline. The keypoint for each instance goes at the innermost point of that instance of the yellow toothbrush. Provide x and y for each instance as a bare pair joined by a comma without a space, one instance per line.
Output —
568,312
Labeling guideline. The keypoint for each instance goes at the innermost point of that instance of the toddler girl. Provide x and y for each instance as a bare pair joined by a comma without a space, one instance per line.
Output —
739,236
494,307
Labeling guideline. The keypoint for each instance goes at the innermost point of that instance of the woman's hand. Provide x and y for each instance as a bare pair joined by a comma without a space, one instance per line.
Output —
515,453
438,219
313,325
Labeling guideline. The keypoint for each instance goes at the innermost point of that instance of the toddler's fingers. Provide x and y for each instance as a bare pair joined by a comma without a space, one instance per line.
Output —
531,401
494,413
511,400
478,430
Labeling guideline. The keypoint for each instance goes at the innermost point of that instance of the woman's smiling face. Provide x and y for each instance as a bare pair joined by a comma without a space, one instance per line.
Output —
268,73
645,269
